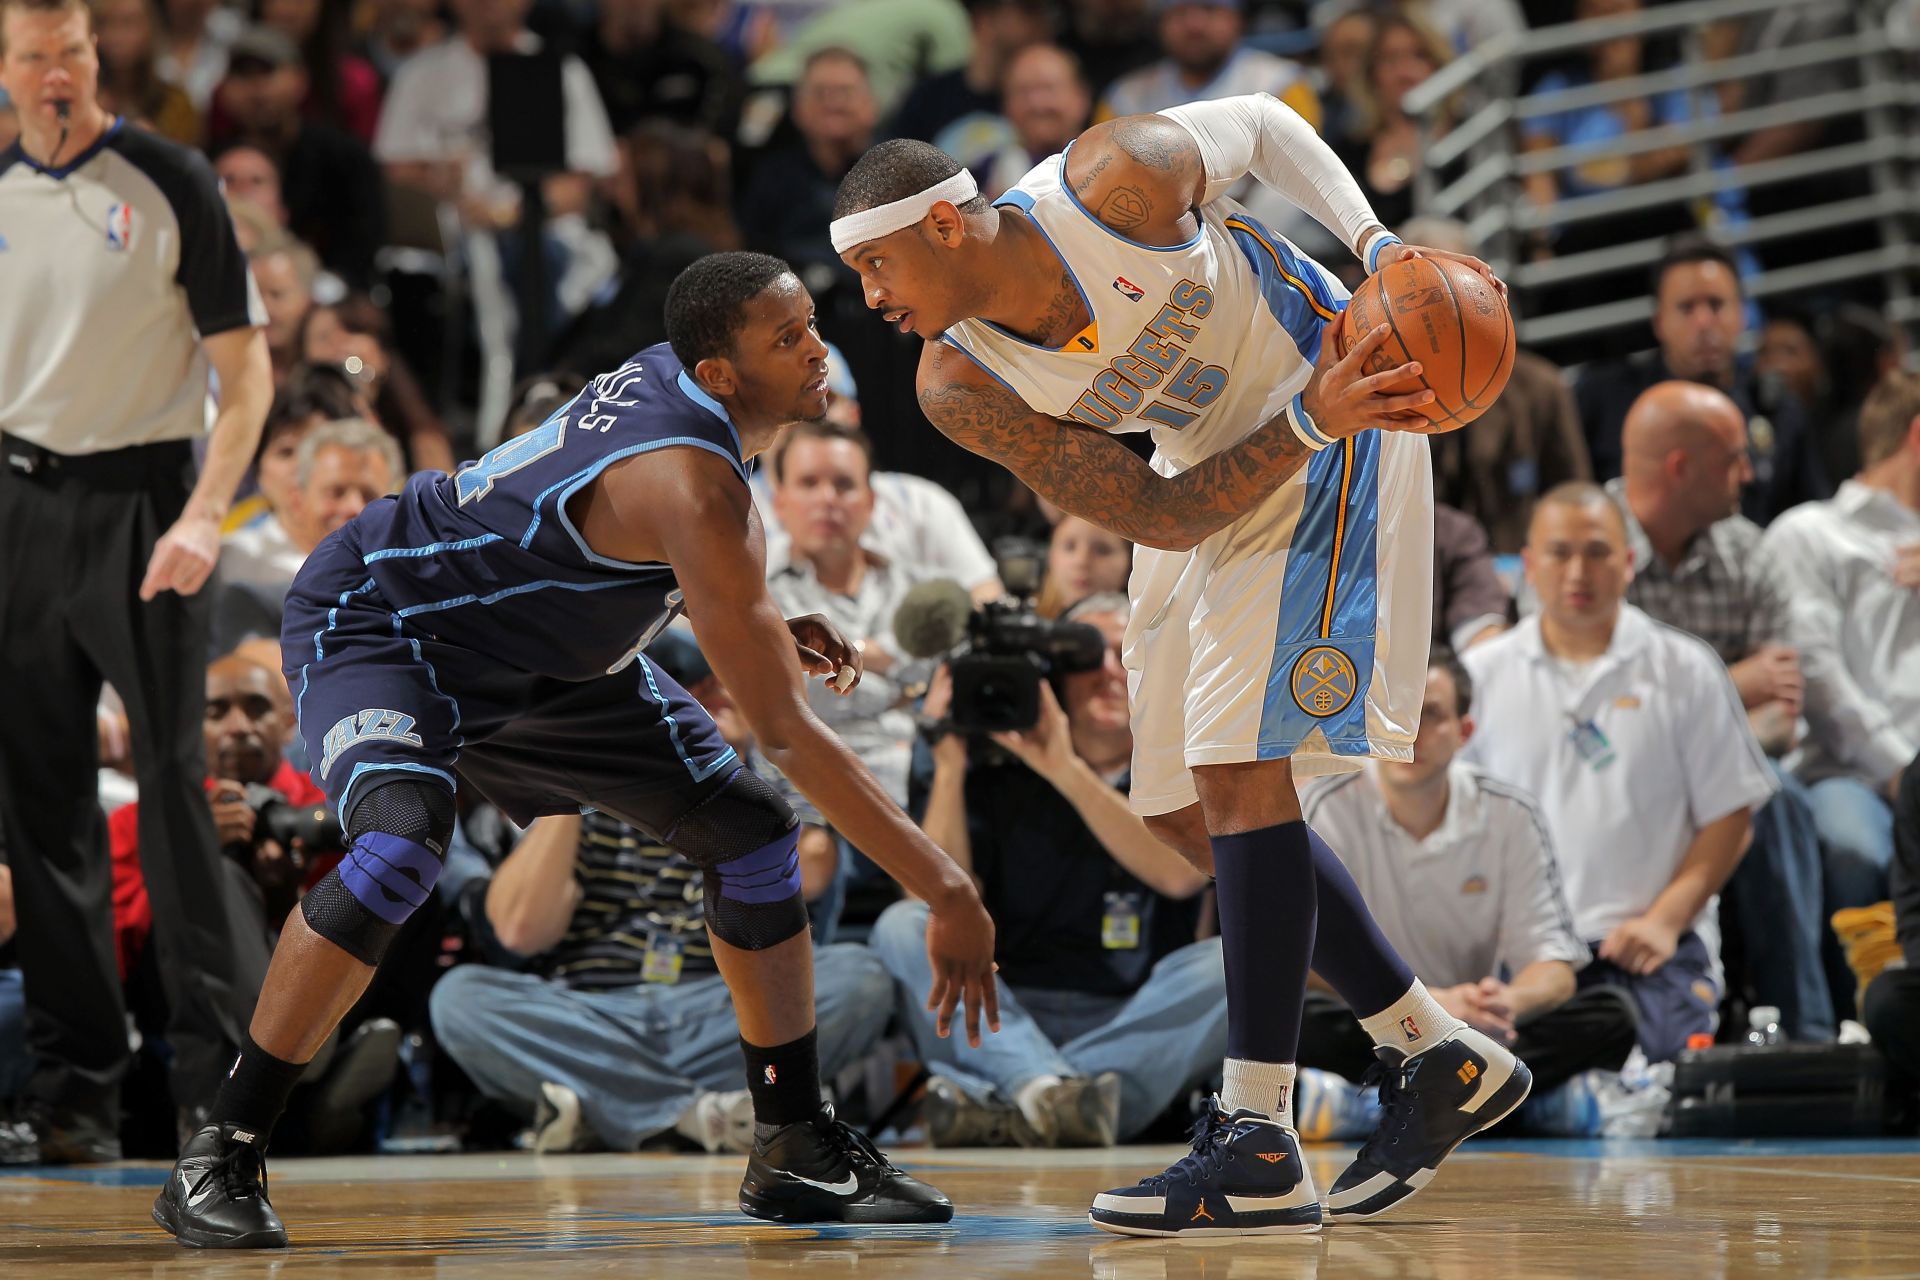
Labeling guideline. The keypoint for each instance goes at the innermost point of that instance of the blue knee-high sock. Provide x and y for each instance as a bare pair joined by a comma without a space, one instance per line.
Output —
1265,891
1349,951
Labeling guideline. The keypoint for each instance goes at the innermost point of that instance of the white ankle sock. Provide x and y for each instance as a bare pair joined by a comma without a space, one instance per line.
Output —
1263,1087
1412,1024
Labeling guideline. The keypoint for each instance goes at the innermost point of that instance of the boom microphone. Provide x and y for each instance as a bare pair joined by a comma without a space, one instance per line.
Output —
932,618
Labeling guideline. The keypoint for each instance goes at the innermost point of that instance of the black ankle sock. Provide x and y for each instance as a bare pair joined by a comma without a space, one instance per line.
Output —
784,1080
255,1093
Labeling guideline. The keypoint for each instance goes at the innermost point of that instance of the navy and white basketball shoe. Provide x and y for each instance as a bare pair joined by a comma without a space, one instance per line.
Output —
1429,1105
1244,1176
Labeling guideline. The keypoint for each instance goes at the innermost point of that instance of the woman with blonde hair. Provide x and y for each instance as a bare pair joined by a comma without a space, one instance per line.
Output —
1384,150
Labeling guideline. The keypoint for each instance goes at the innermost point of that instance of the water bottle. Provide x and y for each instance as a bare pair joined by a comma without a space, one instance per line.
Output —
1763,1026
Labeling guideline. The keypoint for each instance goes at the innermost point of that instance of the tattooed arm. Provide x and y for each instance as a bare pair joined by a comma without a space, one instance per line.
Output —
1092,475
1141,175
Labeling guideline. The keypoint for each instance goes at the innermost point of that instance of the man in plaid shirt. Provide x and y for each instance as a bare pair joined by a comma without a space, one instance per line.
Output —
1698,566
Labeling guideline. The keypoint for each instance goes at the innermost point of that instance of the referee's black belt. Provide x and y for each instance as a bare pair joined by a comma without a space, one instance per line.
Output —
132,467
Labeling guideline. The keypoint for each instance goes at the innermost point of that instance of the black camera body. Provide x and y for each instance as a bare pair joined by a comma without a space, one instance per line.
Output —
277,819
1008,652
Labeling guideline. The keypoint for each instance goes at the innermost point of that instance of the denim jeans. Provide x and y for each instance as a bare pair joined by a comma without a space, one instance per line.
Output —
1856,825
637,1056
1162,1039
1776,897
16,1059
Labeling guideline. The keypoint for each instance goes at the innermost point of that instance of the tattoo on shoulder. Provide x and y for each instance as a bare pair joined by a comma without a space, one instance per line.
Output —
1085,184
1158,144
1126,208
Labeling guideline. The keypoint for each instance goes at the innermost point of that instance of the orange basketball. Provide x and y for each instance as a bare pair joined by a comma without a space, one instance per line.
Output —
1449,318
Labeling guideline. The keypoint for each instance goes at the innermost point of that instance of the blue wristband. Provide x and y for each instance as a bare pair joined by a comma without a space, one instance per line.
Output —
1373,250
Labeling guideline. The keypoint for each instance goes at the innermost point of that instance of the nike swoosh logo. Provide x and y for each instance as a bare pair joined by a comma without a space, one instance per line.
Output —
845,1187
194,1198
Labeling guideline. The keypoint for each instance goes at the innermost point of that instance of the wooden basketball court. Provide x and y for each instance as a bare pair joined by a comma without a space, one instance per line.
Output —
1698,1210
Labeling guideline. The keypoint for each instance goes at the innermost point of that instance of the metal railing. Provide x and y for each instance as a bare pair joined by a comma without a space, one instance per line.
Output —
1476,169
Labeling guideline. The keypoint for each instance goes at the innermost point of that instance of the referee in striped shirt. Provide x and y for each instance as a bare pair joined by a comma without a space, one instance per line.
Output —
120,284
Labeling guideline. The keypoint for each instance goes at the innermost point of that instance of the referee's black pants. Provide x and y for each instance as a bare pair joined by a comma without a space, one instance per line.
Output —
1592,1031
75,537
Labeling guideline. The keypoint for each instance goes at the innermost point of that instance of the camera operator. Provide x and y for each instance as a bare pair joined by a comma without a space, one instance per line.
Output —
1109,1010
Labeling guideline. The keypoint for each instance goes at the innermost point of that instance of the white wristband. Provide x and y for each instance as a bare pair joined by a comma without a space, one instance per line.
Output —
1304,426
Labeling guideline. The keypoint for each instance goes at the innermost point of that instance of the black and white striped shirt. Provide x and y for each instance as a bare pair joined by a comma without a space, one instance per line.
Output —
633,890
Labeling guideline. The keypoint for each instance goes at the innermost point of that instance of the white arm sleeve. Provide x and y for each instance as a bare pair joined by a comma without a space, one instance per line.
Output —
1259,134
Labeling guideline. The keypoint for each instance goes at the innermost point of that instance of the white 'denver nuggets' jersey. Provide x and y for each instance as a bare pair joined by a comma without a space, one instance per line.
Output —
1300,630
1183,342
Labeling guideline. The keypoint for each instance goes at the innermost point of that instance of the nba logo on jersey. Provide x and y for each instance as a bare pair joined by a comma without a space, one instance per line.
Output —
1409,1028
1132,291
120,227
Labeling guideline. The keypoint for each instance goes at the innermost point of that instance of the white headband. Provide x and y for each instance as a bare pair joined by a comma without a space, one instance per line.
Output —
871,224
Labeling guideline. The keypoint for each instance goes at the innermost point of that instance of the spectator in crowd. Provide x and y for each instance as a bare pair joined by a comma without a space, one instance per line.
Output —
915,521
1111,37
111,330
676,208
1202,60
252,225
1891,1008
897,41
433,139
356,335
1341,75
1082,559
1470,603
395,30
1699,313
1526,443
1460,873
330,188
1829,360
130,81
1383,151
249,173
1046,104
788,203
310,395
618,1028
1698,565
193,46
341,466
285,271
1631,738
653,61
1001,29
1109,1010
1853,567
343,89
1467,24
824,500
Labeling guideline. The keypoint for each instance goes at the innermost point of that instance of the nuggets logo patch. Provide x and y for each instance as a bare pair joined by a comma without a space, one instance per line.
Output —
1324,681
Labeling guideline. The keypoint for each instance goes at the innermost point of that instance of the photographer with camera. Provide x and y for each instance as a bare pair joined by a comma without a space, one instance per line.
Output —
1108,1008
277,838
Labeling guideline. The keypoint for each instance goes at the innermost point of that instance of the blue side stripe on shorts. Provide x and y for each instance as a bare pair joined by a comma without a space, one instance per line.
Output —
700,772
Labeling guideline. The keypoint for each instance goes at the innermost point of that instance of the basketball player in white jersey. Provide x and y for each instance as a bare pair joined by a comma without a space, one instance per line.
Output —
1281,593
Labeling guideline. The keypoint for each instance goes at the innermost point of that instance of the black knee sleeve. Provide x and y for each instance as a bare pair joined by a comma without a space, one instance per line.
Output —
745,837
399,833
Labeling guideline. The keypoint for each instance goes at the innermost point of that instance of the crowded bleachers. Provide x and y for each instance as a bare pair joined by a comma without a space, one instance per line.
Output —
456,214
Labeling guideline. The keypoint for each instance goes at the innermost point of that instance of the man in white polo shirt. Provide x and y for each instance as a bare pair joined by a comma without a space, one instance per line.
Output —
1461,875
1632,738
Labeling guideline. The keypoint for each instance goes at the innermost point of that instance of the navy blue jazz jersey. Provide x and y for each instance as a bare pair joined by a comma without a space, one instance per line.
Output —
464,624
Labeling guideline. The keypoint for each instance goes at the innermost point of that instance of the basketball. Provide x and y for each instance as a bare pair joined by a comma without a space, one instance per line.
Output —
1448,317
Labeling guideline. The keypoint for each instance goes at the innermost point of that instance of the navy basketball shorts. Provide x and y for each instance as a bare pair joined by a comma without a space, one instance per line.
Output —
378,699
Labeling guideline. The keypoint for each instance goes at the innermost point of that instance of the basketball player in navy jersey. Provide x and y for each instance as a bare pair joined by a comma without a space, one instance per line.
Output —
1281,587
494,622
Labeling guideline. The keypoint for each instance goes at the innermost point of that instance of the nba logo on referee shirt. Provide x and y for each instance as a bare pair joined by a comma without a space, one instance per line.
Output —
120,227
